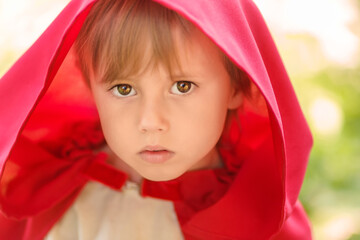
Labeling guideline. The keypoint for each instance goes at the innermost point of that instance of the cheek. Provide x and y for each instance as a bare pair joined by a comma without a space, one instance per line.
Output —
120,137
212,118
201,127
115,121
212,108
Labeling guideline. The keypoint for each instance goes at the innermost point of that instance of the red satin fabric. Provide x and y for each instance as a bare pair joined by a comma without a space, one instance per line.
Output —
49,126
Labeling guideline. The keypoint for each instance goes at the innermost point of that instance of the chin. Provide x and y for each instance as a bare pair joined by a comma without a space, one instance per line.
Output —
163,175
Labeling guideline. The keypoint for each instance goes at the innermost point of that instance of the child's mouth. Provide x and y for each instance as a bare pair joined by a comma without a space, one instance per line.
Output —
155,154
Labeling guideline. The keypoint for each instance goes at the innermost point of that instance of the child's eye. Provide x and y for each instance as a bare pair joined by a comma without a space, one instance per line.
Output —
182,87
123,90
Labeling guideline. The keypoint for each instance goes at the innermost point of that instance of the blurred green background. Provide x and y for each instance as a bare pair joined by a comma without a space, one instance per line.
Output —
321,50
319,43
331,190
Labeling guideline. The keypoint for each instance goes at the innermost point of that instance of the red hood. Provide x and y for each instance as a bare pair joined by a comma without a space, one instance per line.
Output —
41,93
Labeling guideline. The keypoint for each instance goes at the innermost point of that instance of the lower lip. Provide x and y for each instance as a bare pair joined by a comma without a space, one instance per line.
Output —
156,157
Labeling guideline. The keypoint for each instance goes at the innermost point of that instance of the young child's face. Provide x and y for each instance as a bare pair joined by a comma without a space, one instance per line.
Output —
182,116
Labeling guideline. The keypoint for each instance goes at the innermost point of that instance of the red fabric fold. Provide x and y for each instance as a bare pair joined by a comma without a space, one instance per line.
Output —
104,173
27,189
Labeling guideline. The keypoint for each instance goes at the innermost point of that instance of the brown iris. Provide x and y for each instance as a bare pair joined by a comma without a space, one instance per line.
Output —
183,86
124,89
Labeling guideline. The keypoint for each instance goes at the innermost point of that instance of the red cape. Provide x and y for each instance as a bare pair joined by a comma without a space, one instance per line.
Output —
43,94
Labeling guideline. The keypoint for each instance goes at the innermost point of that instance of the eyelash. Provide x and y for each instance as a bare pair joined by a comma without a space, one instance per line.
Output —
115,89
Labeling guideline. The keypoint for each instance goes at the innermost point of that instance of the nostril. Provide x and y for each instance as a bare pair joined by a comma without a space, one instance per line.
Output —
153,125
153,120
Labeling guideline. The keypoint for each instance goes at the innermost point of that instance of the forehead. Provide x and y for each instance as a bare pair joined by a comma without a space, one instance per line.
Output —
187,54
193,56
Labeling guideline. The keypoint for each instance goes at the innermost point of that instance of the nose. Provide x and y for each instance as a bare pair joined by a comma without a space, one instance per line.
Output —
153,116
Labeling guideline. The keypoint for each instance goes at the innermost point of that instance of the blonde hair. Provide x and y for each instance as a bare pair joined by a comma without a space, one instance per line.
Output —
114,38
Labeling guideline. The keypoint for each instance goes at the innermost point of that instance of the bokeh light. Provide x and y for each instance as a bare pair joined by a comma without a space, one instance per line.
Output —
326,116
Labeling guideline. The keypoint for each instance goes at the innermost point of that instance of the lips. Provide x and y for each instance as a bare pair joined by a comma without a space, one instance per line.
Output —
156,154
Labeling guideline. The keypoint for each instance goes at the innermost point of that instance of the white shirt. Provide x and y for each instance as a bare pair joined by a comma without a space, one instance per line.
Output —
102,213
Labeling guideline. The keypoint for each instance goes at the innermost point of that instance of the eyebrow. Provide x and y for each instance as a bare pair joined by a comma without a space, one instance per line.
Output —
118,79
182,75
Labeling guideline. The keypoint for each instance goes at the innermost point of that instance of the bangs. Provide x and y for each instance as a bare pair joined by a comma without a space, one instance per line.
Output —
120,39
